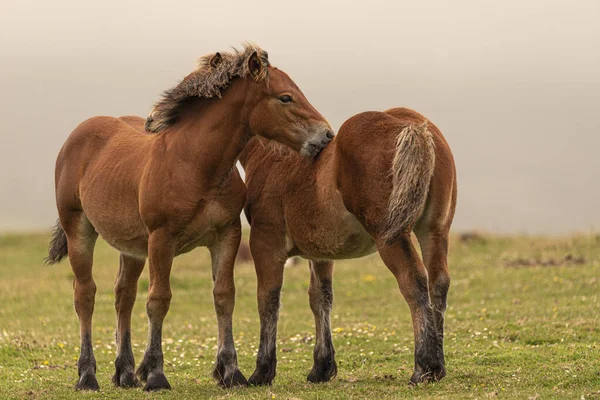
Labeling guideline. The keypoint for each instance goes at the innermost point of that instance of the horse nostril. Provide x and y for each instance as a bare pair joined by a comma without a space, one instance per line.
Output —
329,134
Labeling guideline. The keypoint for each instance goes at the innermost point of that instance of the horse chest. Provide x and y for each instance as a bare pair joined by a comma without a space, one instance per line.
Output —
206,227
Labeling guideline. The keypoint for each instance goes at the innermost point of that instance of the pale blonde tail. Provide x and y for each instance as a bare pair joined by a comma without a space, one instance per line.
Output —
411,172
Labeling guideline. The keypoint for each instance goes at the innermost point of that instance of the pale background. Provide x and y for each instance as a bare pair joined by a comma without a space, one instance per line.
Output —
514,86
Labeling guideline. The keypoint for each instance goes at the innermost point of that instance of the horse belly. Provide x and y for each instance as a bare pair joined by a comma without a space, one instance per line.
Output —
117,221
337,237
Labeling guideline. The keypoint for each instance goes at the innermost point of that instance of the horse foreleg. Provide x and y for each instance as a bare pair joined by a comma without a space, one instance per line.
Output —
269,261
223,253
320,294
126,282
403,261
160,255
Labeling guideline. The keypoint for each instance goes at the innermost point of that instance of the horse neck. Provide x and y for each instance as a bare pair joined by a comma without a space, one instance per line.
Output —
252,148
211,133
259,159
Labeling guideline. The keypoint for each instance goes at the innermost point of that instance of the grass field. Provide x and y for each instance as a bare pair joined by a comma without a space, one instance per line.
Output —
523,321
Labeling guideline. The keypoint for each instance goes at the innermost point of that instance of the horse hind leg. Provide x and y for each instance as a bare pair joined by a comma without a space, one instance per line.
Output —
81,239
130,269
434,246
402,260
320,294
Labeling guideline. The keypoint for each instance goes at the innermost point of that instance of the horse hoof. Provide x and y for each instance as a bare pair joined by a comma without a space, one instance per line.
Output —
126,380
315,377
430,375
259,378
142,372
157,381
233,380
87,381
322,372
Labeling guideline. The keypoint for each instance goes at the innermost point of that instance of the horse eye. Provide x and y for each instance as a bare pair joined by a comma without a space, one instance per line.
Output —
285,99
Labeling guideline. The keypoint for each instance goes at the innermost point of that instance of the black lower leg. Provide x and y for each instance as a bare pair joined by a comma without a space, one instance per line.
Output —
324,366
438,296
125,364
86,366
429,356
266,360
226,371
151,367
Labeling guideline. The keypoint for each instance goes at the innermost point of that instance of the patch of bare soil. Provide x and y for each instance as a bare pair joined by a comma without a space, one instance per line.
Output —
567,260
472,237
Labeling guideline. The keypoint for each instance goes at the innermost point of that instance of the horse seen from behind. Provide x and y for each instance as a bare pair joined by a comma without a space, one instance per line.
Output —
384,175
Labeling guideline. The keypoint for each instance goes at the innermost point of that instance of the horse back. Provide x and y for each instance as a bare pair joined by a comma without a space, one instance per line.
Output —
96,146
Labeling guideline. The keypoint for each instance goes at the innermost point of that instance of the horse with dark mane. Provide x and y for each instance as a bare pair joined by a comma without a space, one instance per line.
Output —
384,175
161,195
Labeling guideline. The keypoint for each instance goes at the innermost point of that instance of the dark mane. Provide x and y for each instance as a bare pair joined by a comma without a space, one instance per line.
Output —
206,82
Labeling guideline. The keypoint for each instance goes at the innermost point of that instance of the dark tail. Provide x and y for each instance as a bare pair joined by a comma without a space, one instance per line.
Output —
57,249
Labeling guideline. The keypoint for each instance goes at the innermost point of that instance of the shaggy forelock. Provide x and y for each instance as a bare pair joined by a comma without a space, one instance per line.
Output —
206,82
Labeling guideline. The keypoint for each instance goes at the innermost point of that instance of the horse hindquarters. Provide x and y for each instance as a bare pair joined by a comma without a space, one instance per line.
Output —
433,227
75,237
384,170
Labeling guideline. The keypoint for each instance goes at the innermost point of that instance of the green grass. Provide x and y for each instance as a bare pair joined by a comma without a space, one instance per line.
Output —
523,332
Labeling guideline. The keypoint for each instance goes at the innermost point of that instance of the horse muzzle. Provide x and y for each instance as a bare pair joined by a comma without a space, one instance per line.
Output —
313,146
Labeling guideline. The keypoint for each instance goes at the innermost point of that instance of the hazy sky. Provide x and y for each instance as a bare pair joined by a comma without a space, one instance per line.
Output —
513,85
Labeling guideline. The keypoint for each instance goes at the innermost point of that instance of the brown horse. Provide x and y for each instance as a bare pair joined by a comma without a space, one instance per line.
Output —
383,176
158,196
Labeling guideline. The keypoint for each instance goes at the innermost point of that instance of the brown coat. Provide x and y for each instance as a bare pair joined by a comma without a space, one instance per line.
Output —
382,176
158,196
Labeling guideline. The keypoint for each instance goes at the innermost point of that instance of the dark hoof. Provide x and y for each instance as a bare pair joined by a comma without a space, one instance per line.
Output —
87,381
231,380
142,372
157,381
322,372
261,377
427,375
125,380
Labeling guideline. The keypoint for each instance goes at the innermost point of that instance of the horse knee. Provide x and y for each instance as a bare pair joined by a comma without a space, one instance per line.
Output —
224,299
441,285
158,304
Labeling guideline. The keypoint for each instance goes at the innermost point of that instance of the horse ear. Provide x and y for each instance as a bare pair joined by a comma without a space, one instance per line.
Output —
215,60
255,66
